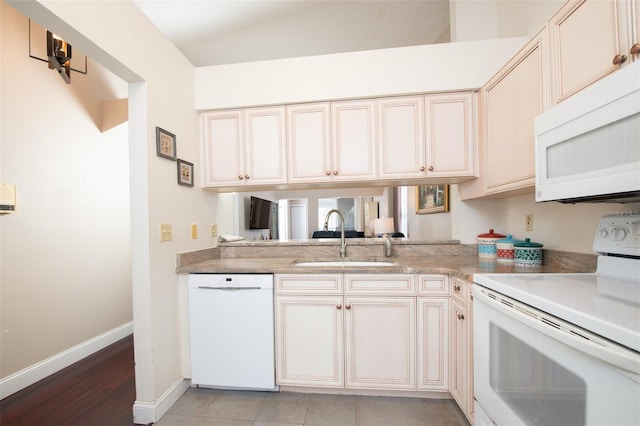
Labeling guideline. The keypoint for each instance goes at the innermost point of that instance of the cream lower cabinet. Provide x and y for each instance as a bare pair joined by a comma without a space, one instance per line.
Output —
342,340
461,347
380,342
433,332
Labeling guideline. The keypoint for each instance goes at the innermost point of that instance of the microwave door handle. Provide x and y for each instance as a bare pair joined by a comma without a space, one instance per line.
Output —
620,358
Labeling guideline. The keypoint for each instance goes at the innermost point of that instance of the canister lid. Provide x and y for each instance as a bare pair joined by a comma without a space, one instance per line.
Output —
509,240
528,244
491,234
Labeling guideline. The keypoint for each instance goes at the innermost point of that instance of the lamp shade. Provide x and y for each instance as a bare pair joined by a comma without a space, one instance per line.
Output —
384,226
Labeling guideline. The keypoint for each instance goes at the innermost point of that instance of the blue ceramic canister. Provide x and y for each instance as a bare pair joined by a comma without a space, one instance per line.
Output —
528,253
487,244
505,251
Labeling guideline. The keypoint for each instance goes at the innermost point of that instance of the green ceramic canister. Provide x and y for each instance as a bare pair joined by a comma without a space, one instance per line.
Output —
528,253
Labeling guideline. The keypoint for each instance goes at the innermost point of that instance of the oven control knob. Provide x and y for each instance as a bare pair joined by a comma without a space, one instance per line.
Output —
603,233
635,229
619,233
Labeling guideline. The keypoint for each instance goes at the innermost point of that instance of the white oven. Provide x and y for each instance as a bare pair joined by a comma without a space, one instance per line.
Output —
561,349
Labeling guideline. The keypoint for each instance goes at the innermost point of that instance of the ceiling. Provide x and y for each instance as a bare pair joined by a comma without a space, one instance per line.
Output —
215,32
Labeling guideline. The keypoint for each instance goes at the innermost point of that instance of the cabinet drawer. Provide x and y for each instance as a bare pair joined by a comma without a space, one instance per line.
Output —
433,285
401,284
459,290
309,284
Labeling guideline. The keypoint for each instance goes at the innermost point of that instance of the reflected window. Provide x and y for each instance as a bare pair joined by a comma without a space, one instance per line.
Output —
346,206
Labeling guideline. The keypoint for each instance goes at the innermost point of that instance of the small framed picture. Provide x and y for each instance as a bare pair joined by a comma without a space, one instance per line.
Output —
165,144
432,199
185,173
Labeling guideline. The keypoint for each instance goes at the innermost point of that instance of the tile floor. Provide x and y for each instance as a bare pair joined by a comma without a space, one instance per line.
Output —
210,407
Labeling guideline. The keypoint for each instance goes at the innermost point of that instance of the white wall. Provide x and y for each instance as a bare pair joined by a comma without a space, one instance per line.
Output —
416,69
66,258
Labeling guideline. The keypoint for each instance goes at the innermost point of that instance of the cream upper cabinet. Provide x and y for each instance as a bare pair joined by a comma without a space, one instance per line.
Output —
309,142
245,147
634,42
380,342
512,99
589,39
354,140
401,133
451,133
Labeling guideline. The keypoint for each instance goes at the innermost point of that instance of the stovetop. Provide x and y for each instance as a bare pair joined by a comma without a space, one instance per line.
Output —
606,302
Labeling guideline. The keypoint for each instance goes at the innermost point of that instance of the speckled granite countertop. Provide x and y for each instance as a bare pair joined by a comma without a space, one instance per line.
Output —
447,257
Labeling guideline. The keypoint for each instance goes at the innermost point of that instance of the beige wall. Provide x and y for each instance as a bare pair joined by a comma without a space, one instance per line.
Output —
161,93
66,259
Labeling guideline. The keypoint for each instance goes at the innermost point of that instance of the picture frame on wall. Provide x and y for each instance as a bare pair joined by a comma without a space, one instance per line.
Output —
185,173
432,199
165,144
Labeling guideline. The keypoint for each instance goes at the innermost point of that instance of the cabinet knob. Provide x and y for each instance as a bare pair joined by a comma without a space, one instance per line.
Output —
247,176
460,316
635,49
422,168
347,306
335,173
430,168
328,173
240,177
338,306
456,287
619,59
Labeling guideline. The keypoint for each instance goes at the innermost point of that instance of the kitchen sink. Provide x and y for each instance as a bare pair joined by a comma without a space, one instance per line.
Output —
352,263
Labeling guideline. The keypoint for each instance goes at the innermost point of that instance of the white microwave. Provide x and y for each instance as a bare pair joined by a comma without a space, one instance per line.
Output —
588,146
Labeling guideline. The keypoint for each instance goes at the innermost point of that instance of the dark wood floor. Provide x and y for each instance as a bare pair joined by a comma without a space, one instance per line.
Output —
98,390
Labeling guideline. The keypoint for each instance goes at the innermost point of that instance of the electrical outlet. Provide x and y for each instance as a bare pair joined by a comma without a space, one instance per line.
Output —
194,231
165,232
528,222
214,230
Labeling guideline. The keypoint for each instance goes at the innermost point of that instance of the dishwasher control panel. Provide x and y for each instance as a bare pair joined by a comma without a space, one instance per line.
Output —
231,281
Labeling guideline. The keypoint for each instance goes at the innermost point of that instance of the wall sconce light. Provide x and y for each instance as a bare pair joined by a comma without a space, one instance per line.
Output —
58,56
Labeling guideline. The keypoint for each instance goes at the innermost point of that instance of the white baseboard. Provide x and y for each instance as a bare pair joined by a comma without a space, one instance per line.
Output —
36,372
145,413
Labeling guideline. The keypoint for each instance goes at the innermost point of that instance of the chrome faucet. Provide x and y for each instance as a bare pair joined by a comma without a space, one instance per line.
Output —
343,244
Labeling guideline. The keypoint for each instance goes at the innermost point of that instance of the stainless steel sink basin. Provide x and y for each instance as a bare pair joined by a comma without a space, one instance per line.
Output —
352,263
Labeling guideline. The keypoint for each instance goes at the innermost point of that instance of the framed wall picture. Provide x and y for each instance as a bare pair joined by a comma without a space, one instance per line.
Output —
432,199
165,144
185,173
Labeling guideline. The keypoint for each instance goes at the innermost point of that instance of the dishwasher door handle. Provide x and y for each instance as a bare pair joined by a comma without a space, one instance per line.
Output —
229,288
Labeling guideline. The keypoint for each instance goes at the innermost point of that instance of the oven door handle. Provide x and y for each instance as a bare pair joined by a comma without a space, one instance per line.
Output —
622,359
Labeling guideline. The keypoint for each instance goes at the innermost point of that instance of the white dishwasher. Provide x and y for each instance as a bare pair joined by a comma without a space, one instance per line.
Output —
232,331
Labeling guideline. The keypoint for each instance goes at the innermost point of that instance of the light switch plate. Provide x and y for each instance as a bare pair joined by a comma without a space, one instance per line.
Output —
194,231
528,222
165,232
214,230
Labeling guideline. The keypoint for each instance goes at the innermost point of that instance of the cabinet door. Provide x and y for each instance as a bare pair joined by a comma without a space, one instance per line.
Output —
265,159
585,38
433,343
309,341
451,134
309,142
354,140
401,133
224,157
513,98
380,342
634,42
458,369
